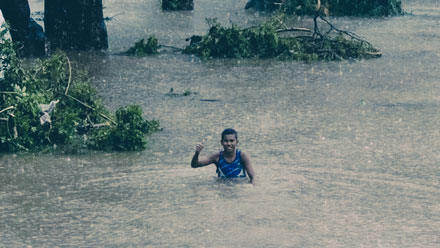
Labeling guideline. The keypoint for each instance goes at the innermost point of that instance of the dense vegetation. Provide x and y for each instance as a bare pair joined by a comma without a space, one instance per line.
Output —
268,40
177,4
141,48
333,7
47,105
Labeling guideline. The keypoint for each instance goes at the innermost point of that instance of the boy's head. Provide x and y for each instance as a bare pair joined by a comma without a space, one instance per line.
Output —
229,131
229,140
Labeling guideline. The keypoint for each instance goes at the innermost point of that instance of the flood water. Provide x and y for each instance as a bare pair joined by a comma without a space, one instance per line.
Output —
346,153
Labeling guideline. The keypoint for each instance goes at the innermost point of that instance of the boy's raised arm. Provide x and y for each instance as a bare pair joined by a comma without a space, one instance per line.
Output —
200,161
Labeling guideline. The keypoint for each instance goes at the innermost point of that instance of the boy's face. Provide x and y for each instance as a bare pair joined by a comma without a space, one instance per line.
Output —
229,142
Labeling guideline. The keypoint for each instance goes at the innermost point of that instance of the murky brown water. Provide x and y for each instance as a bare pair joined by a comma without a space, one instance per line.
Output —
346,153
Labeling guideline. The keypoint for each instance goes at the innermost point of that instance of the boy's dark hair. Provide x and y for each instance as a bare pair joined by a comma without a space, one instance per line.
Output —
228,131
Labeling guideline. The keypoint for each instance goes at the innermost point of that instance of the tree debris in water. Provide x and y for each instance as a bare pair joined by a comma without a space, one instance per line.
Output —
48,104
332,7
273,39
141,48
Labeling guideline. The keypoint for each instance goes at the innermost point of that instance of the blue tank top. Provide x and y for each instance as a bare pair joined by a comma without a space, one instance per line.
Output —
230,170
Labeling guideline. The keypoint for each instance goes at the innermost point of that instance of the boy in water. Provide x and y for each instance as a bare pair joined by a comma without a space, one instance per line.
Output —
231,162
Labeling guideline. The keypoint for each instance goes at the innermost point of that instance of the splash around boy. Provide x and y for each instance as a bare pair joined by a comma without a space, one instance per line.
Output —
231,162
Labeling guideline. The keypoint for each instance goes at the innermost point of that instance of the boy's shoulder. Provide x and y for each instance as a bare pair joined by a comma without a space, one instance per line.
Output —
244,154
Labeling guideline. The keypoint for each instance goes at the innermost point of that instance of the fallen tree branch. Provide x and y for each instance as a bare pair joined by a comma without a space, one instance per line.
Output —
331,53
106,124
293,30
87,106
15,136
80,102
333,27
70,75
9,93
93,125
6,109
315,28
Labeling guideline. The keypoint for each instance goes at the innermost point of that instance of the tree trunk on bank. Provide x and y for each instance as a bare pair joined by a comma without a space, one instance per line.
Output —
23,28
75,24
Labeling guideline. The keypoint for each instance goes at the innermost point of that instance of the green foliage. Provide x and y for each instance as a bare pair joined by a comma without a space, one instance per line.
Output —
177,4
334,7
235,42
129,133
141,48
25,89
264,41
